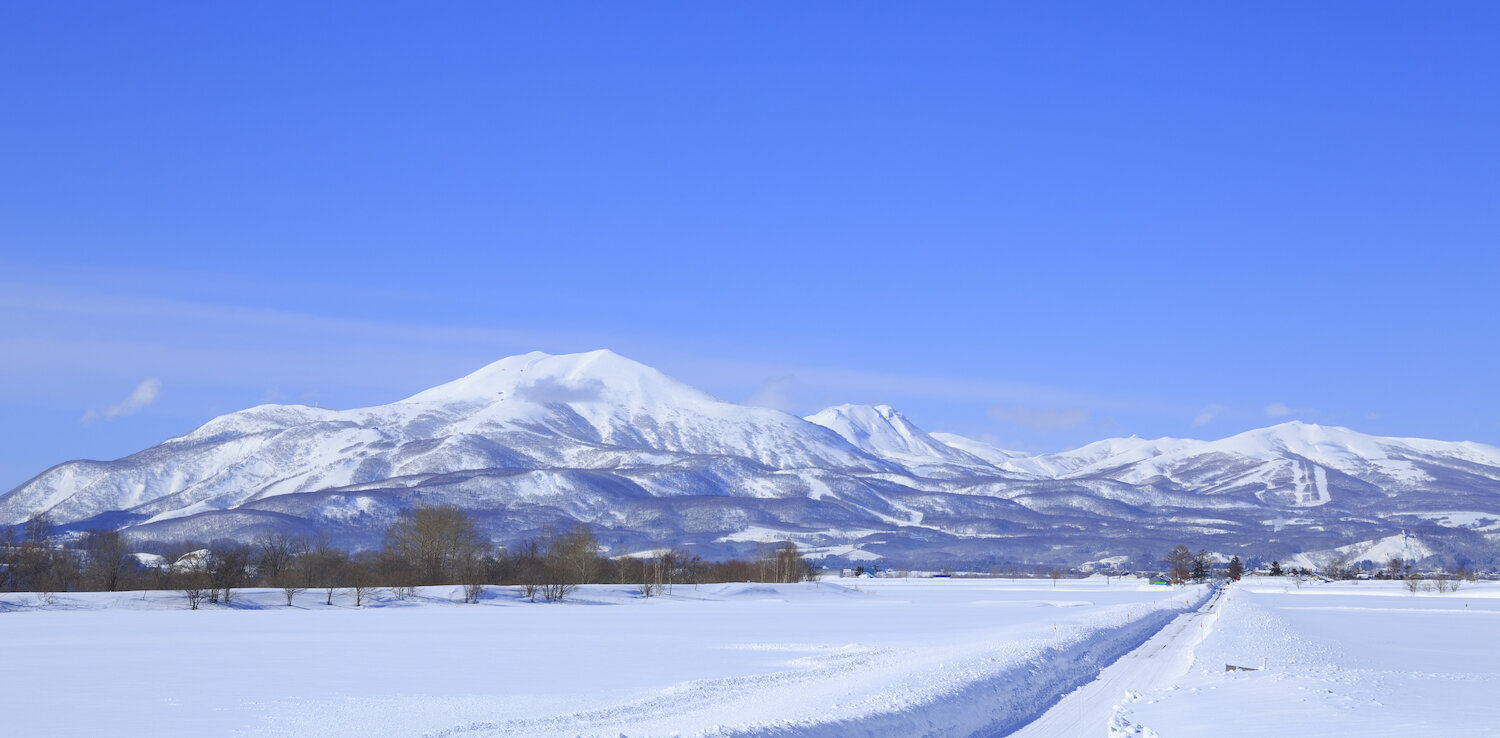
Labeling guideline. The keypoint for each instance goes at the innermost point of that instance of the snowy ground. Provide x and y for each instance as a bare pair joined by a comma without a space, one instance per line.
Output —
1159,662
1367,659
841,657
862,657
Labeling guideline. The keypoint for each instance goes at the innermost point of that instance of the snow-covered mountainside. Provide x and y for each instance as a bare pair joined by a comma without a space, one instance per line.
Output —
537,441
883,432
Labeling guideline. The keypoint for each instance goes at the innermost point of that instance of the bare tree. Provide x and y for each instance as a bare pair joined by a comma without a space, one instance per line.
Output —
107,559
291,579
194,585
473,577
623,569
227,562
558,575
361,581
578,552
164,573
530,569
690,568
473,589
38,564
566,561
438,542
30,563
650,574
1339,567
394,572
655,572
784,563
1179,563
1413,582
324,564
291,584
276,552
7,558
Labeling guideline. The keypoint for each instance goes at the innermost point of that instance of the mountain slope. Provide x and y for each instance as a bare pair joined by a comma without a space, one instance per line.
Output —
1297,464
537,441
883,432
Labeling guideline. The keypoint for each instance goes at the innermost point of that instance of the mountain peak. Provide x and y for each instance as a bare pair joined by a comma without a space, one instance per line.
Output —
545,379
1295,434
597,438
1298,426
883,431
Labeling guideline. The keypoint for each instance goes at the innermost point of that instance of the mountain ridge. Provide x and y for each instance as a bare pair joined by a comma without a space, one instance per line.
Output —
536,441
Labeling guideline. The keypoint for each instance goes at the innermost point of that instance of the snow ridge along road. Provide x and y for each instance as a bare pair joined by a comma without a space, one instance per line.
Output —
1160,661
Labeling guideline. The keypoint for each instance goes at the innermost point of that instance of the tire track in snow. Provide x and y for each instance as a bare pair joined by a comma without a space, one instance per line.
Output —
690,696
987,702
1161,660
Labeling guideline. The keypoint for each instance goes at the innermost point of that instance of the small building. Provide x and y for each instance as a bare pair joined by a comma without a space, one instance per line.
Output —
1161,579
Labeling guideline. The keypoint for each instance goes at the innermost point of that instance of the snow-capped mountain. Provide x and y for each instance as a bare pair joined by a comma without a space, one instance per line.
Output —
1293,464
883,432
538,441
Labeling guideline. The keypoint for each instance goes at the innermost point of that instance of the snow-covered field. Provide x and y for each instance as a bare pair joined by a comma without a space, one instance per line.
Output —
840,657
874,657
1347,658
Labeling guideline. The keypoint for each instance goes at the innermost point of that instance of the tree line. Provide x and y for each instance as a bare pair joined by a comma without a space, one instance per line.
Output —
1185,566
427,545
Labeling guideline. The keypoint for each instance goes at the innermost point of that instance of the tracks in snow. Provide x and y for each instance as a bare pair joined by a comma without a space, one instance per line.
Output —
1158,662
1098,669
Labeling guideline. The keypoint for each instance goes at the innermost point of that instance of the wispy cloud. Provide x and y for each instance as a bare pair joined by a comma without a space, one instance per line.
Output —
355,361
60,332
777,394
551,390
1041,419
144,394
1207,415
1278,410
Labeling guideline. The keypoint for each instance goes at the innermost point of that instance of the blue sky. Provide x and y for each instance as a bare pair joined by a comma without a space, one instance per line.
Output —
1039,224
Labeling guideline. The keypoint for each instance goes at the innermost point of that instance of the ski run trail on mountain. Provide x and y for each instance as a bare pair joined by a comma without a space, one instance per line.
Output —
842,657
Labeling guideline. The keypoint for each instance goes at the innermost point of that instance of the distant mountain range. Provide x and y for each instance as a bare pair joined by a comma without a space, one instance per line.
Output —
537,441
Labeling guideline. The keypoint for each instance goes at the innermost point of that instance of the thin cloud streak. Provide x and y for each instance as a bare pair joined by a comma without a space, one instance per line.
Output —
1207,415
283,336
143,395
354,362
